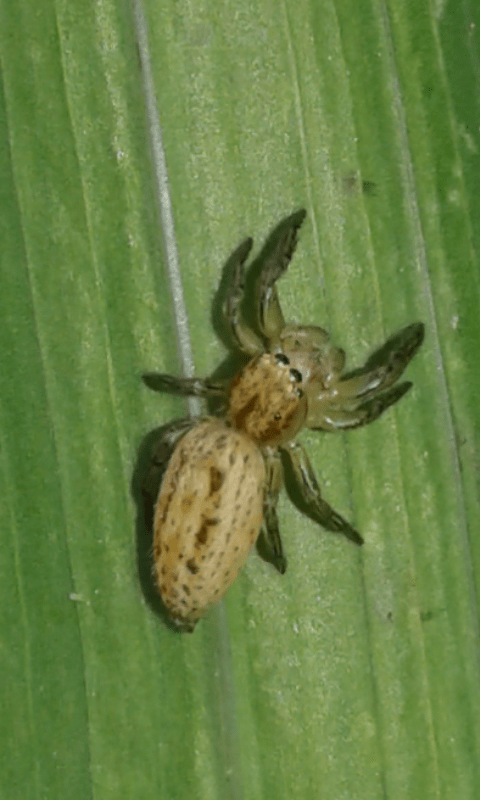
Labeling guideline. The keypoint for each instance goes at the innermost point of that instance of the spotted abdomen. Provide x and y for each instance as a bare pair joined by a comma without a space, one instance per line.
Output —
207,517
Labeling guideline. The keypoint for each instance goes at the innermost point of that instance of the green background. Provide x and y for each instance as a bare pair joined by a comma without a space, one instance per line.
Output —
355,675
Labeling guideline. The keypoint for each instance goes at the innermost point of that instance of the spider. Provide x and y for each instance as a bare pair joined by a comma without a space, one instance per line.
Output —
214,481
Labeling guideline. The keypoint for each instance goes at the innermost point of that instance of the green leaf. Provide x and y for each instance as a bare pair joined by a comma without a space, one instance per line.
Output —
357,673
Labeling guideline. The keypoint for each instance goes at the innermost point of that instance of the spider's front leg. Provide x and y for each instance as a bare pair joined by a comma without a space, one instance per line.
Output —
275,259
307,485
363,396
244,337
270,532
385,366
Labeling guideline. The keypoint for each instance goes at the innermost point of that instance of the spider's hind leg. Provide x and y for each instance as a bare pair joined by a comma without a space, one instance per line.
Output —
309,490
166,441
270,543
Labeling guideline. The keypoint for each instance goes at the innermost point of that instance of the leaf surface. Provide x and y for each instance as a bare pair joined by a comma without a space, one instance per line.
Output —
356,674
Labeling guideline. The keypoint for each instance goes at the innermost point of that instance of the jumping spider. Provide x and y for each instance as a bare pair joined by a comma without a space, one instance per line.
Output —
220,476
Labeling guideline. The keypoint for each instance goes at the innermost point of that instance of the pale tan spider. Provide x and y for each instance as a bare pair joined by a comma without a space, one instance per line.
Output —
214,481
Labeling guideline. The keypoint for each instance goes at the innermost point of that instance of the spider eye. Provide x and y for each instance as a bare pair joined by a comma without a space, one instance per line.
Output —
299,393
277,416
296,375
280,358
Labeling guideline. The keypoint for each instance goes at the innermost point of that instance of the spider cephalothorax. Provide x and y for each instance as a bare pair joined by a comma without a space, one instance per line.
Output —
265,400
220,477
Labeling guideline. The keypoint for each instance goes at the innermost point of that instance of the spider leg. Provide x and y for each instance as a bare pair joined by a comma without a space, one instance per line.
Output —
168,437
270,532
196,387
336,418
385,366
278,254
360,398
309,490
244,337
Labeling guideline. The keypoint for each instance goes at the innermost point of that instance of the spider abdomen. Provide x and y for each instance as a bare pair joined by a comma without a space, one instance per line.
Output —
207,517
